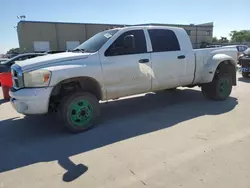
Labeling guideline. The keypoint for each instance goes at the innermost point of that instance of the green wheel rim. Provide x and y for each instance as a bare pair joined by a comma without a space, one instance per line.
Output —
80,113
224,88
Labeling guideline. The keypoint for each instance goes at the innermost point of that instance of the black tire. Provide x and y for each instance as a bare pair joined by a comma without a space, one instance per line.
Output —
219,89
82,119
245,74
206,91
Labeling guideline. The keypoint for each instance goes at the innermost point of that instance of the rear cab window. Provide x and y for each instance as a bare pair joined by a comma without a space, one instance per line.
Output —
163,40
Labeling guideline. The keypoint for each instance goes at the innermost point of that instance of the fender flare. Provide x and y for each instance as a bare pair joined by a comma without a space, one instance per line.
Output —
212,65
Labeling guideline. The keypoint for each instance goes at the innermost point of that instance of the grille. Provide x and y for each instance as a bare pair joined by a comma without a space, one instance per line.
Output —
17,77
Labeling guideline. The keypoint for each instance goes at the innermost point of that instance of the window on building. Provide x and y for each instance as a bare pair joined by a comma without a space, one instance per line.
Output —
209,33
163,40
70,45
41,46
118,47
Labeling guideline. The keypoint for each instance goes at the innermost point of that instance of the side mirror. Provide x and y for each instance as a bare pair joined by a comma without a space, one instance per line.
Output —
129,42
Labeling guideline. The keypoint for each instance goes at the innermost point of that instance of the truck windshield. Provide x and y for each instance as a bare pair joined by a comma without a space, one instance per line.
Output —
96,42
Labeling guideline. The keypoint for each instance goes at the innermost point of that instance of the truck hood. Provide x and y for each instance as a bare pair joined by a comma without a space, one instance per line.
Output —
47,60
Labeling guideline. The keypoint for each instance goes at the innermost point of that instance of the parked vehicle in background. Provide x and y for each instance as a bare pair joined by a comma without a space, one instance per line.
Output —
117,63
54,51
5,66
12,55
214,46
245,52
3,60
240,48
244,61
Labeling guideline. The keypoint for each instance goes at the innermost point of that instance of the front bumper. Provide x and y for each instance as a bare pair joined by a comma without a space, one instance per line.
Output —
31,100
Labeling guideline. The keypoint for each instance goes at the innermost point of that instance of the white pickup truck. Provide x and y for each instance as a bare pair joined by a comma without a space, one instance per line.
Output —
117,63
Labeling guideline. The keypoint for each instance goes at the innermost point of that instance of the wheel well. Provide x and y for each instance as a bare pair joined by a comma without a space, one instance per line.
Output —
227,67
78,83
70,85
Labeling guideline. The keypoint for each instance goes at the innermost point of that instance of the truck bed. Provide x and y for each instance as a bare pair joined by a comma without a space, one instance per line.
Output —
202,57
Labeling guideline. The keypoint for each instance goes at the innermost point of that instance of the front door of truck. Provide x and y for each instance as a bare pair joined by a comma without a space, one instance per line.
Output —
169,62
126,70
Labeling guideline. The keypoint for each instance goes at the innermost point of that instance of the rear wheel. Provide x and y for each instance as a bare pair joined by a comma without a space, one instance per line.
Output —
79,111
206,91
219,89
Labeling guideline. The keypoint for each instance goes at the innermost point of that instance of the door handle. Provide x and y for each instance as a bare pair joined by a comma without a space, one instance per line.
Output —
143,60
181,57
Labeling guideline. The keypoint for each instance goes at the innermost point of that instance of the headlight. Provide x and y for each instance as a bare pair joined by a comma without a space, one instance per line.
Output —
37,78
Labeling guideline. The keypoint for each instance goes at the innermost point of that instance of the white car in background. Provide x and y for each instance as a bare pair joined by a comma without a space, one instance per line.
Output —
3,60
240,48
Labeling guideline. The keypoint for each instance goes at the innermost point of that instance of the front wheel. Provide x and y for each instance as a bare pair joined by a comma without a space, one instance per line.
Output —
219,89
79,111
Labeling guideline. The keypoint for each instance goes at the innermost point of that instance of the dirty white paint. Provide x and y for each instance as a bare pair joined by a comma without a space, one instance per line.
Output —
123,75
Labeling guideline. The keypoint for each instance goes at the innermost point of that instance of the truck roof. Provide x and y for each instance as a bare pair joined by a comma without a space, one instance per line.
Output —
180,33
148,26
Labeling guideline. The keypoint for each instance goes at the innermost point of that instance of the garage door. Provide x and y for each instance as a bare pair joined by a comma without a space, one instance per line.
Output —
41,46
70,45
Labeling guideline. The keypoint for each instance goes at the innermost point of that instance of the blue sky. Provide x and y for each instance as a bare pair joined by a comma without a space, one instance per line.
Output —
226,15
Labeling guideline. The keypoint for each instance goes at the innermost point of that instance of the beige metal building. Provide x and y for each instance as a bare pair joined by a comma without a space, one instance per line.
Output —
35,36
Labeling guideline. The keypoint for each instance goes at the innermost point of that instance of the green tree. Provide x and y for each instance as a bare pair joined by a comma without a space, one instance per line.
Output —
240,36
204,44
214,40
13,51
223,40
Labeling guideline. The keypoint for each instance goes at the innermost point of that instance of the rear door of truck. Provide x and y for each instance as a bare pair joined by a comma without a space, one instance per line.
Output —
169,61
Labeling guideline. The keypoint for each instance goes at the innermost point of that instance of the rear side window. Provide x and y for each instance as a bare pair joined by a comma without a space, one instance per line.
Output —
163,40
